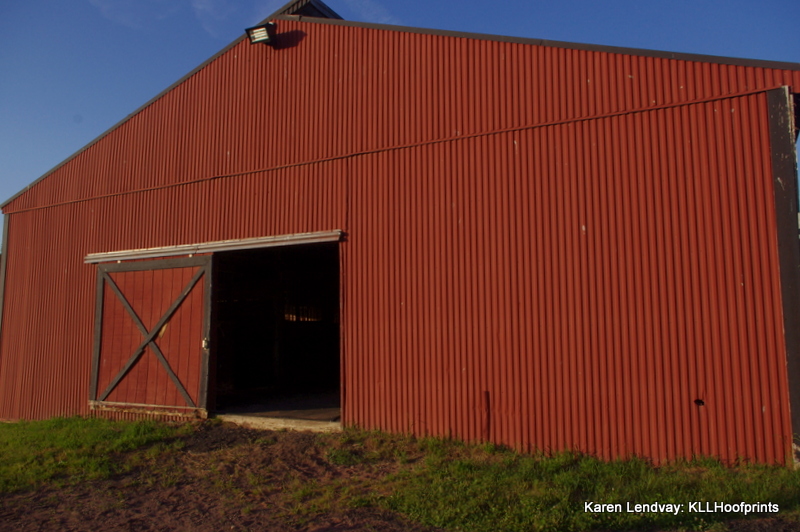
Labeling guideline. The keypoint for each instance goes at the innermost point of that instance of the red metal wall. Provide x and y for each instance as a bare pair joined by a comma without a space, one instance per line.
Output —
546,247
594,302
47,335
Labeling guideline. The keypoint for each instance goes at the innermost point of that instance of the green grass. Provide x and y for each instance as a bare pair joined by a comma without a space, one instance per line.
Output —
489,490
437,482
66,450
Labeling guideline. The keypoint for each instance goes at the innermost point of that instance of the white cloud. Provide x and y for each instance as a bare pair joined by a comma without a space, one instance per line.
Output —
213,15
372,11
123,12
264,9
211,8
135,13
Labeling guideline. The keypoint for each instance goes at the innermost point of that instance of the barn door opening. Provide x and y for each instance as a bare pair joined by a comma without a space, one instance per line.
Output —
275,332
151,336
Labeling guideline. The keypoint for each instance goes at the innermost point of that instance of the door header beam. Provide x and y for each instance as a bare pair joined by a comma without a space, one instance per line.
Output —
220,245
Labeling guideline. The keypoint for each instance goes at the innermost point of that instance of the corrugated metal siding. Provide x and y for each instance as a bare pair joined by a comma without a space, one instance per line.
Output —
330,91
594,288
546,247
47,329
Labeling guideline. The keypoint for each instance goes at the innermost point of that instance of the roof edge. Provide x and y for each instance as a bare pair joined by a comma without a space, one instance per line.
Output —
125,119
680,56
311,8
644,52
293,5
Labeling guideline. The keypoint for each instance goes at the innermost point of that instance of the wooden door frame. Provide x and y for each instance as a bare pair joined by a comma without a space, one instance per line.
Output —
103,270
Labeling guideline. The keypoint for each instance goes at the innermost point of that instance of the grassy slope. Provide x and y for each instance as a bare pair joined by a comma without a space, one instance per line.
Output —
71,450
435,482
496,489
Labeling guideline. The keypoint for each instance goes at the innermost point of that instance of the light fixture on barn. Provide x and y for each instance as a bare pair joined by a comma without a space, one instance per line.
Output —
263,33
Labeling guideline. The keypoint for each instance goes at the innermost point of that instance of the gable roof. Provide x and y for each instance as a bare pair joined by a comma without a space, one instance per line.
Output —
640,52
294,11
306,8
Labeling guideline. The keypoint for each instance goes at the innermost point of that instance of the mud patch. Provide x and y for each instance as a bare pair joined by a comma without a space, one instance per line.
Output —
224,477
764,525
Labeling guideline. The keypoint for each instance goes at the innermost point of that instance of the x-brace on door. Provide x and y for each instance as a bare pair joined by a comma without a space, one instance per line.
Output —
151,335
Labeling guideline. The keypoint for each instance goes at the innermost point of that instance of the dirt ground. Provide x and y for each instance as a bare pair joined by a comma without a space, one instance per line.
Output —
225,477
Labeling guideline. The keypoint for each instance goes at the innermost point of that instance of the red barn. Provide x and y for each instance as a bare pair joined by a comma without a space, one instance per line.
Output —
541,244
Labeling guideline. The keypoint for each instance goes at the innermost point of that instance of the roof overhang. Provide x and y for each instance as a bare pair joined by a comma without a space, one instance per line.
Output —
305,8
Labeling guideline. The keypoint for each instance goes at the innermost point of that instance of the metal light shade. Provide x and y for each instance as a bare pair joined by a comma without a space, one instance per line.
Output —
263,33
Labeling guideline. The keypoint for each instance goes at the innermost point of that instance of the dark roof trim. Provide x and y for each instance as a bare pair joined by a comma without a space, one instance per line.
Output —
446,33
735,61
128,117
294,6
306,8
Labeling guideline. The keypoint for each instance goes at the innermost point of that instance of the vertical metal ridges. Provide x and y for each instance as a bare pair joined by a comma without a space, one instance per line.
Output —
548,248
560,288
333,91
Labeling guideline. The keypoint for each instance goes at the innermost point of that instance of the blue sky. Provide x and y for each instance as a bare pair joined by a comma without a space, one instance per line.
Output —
69,70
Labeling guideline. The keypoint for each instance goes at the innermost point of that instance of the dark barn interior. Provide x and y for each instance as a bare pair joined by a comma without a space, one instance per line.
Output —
275,331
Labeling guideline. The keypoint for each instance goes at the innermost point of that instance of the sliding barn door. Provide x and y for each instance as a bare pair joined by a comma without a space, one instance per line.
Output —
151,336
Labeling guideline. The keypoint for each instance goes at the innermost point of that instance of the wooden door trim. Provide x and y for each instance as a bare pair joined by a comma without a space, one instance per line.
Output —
103,278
